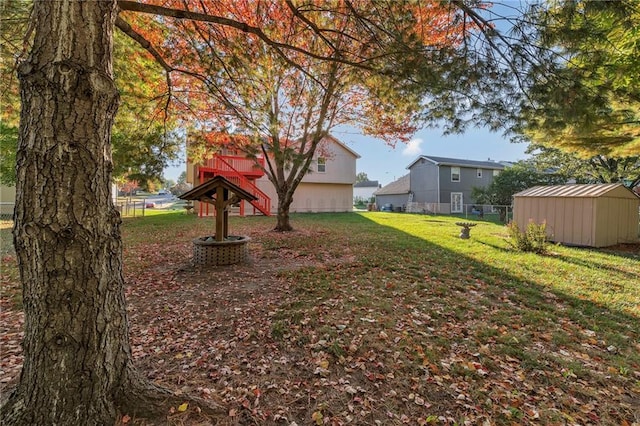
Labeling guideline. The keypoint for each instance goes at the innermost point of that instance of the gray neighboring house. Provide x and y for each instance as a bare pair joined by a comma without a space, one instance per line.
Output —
448,182
396,193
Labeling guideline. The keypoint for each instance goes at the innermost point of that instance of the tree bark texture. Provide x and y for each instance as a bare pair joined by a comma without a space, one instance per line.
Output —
66,232
283,223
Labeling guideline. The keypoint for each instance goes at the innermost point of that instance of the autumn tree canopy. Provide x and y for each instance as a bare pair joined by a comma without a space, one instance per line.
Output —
584,95
371,65
144,137
595,169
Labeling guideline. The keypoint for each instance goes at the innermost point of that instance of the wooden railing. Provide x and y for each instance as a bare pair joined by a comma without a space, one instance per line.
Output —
242,165
263,203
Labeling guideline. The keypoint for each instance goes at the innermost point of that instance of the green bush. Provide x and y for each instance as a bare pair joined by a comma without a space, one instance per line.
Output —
534,239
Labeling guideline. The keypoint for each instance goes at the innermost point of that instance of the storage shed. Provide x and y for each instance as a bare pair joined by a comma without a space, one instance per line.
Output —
596,215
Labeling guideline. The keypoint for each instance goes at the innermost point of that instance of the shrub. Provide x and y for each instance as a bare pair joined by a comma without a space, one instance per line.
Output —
534,239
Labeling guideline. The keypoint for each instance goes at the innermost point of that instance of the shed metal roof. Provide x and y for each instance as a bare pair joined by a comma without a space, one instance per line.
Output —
575,190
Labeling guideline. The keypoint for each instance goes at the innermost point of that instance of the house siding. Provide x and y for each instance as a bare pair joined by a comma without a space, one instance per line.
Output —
424,182
331,190
340,165
397,200
468,180
314,197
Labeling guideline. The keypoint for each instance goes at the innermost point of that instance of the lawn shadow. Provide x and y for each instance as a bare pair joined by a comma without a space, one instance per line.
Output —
591,264
630,250
549,334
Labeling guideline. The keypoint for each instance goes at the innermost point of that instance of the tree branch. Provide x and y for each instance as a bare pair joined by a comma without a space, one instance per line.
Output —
128,30
244,27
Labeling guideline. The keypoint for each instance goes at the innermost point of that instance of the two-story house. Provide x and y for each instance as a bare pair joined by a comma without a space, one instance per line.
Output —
443,184
327,187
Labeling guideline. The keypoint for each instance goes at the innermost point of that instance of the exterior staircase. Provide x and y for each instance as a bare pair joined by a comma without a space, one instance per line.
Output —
236,170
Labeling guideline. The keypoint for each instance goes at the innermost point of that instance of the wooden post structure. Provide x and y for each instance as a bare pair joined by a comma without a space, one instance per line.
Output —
221,193
221,217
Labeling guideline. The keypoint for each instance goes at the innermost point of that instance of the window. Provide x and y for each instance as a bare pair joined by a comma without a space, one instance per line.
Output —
496,173
322,164
479,173
455,174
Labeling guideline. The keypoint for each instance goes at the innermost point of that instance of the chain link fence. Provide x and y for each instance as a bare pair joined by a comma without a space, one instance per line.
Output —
133,208
468,211
6,214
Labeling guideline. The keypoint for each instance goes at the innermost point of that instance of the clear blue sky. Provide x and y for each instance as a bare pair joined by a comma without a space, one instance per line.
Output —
385,164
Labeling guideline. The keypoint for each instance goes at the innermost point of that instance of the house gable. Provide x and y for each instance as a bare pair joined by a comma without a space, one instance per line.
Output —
339,163
330,190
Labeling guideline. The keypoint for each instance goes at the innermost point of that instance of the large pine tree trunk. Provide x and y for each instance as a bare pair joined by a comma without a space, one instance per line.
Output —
77,367
66,233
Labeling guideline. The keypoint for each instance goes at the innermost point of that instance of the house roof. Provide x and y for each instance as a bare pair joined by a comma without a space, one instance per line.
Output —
443,161
577,190
400,186
366,184
329,137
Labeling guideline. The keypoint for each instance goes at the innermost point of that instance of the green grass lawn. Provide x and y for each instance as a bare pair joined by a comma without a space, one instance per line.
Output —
397,320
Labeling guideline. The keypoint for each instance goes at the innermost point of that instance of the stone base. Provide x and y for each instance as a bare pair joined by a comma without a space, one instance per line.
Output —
209,252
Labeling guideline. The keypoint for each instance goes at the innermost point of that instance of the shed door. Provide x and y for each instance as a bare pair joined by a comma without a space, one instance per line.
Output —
456,202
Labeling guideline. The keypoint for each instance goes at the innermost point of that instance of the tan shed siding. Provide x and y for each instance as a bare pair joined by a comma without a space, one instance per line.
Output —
561,231
632,231
567,220
7,199
586,215
519,209
606,229
589,217
617,221
7,194
627,222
